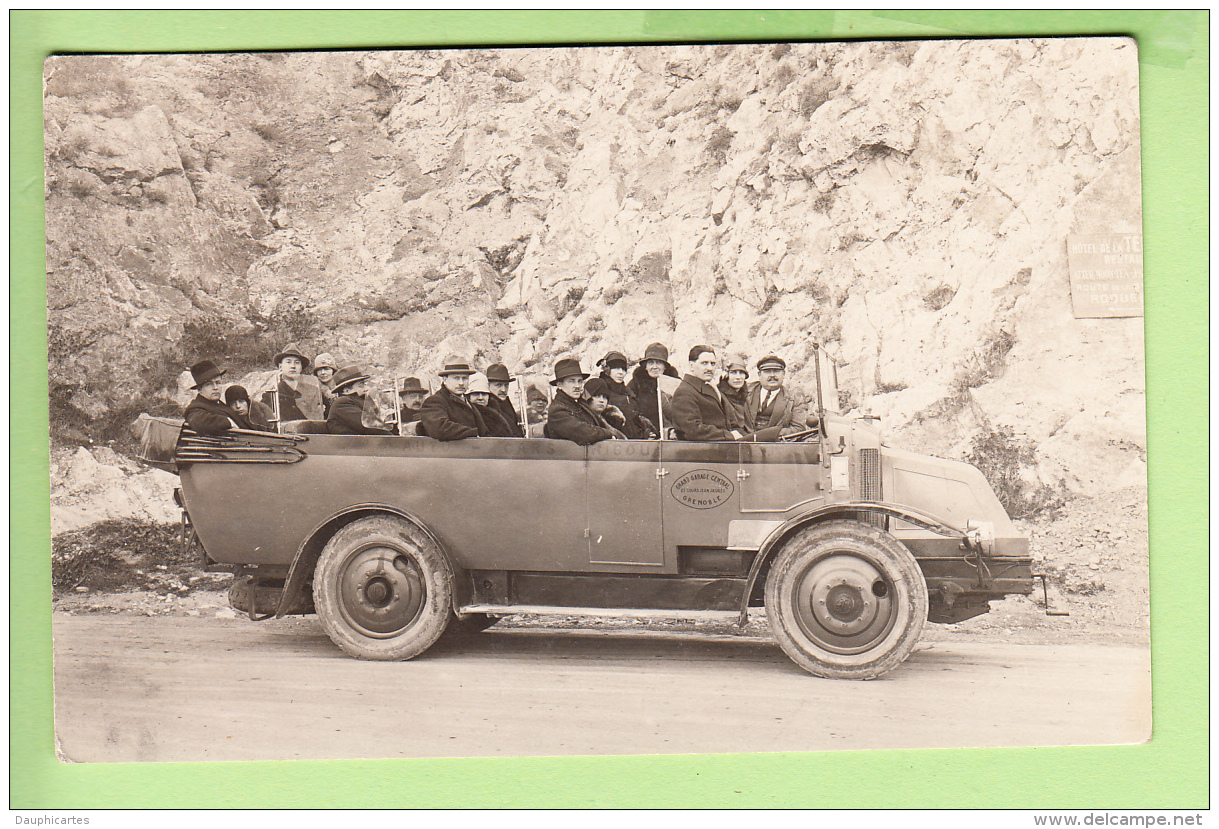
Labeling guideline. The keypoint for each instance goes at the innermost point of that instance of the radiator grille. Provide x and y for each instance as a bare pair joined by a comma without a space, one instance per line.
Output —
869,485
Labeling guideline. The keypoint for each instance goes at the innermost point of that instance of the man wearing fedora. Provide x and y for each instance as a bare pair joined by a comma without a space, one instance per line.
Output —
479,395
412,394
769,406
206,415
499,379
347,409
447,415
568,418
296,400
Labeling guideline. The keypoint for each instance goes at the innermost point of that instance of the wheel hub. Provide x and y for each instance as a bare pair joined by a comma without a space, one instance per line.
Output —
843,603
380,591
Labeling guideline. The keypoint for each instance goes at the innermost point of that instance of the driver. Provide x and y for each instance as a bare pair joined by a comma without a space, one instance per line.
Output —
769,405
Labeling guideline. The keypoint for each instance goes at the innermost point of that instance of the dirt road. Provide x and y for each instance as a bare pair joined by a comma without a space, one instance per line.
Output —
136,688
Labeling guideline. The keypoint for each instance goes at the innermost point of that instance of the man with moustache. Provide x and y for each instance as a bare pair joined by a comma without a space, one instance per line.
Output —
499,380
568,418
768,405
700,412
447,415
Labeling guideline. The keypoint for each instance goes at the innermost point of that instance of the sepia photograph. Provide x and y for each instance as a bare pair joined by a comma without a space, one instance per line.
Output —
679,389
601,400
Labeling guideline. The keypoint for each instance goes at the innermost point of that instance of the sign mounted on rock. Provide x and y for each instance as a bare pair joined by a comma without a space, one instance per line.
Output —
1106,274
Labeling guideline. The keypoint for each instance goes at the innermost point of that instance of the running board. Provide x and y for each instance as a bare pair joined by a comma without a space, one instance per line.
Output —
603,612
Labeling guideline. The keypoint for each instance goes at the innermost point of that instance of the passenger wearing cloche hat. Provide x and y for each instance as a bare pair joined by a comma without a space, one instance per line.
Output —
250,413
644,382
480,397
499,380
568,417
323,369
206,415
347,409
733,388
447,415
613,372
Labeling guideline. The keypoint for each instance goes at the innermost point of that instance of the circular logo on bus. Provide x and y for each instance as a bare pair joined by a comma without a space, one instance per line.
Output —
702,489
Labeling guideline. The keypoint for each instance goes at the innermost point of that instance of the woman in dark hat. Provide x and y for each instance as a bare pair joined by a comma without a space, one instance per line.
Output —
734,389
252,414
643,383
613,373
350,385
597,397
568,417
206,415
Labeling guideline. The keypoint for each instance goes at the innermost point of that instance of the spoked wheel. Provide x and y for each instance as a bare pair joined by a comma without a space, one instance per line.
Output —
382,589
846,600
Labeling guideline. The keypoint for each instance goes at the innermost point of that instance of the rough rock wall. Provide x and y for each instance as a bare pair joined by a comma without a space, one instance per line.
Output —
906,203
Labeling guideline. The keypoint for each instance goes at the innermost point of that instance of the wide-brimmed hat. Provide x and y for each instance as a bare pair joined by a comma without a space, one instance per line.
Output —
614,358
499,373
597,387
292,351
236,393
455,365
324,360
411,384
478,383
347,376
771,361
203,371
656,351
567,367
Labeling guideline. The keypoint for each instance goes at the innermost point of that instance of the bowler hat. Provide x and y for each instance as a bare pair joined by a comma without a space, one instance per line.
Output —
236,393
203,371
292,351
499,373
656,351
567,367
771,361
478,383
411,384
347,376
323,360
455,365
615,358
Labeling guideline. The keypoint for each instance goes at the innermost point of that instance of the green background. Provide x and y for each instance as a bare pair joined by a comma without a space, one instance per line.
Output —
1170,772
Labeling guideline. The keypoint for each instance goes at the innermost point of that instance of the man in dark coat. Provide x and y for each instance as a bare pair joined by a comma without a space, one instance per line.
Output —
206,415
412,394
499,379
479,396
350,385
568,418
699,413
447,415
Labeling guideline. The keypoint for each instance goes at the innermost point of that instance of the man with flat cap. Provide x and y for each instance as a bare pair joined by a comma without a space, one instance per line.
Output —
350,388
499,380
447,415
568,418
769,406
206,415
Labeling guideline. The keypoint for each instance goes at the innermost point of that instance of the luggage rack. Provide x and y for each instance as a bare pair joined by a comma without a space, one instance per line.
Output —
238,446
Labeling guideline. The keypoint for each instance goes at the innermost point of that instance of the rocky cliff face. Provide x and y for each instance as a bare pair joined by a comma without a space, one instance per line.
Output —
907,203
